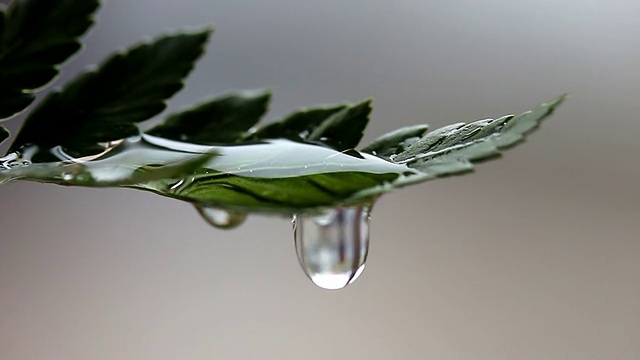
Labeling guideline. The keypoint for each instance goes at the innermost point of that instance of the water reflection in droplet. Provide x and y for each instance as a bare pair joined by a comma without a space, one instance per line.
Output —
332,247
221,218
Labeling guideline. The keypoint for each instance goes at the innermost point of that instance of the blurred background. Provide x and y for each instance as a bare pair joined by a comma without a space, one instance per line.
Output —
534,256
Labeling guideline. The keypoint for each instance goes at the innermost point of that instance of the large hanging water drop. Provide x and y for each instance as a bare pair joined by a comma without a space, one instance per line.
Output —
332,247
221,218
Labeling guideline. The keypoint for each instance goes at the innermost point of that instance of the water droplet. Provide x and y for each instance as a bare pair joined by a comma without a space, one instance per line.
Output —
221,218
12,161
332,247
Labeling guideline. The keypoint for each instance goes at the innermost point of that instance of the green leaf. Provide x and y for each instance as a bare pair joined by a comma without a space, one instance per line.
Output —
4,134
283,176
223,119
35,36
343,130
338,126
105,104
297,126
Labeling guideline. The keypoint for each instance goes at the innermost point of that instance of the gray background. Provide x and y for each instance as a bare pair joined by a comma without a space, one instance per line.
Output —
535,256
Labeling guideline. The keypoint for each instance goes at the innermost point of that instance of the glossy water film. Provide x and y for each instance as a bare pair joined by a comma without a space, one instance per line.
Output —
332,246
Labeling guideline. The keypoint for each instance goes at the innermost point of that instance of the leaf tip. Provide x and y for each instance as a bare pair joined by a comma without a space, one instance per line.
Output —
203,32
559,100
366,102
258,93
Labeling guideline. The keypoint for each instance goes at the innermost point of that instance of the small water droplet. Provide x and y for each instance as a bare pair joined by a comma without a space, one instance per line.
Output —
12,161
221,218
332,247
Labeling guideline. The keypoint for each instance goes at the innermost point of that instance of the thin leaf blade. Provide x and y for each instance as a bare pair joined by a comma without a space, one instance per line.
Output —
224,119
297,125
285,177
343,130
35,37
105,104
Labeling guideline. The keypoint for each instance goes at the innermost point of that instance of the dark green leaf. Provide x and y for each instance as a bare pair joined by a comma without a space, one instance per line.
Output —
344,129
338,126
105,104
396,141
446,151
4,134
297,125
224,119
35,36
290,177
